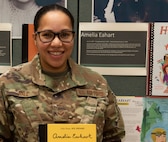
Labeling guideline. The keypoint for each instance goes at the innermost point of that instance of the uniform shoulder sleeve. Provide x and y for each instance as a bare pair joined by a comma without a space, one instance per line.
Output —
114,129
4,117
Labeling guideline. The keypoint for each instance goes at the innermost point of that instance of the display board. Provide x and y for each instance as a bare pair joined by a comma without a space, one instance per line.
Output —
5,46
82,11
114,48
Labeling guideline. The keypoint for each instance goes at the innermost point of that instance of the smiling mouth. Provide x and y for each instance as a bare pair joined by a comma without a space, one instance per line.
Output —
56,53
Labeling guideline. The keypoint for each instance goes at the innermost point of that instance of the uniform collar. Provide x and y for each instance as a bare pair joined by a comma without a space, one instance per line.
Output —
39,78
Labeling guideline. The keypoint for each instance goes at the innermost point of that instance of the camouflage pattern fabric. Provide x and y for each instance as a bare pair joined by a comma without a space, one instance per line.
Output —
29,98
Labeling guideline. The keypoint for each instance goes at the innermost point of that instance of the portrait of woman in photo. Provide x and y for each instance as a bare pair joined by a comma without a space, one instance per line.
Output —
20,12
130,11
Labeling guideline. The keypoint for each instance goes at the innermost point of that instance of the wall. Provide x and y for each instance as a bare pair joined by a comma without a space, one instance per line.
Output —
121,85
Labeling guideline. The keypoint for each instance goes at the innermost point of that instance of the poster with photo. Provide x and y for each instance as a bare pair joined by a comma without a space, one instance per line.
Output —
18,12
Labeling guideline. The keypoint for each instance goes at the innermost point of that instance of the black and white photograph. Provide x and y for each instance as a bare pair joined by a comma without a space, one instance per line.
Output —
130,10
18,12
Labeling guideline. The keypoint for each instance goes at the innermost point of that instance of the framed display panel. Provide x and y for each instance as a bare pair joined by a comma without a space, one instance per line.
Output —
5,47
114,48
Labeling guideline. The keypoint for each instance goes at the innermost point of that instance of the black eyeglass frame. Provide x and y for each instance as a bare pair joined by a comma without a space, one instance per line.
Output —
56,34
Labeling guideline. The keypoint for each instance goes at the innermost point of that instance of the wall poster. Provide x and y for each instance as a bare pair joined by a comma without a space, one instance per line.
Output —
114,48
157,77
132,111
5,47
129,10
154,123
18,12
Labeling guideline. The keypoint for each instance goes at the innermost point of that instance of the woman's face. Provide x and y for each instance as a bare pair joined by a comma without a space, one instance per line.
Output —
54,55
166,70
161,138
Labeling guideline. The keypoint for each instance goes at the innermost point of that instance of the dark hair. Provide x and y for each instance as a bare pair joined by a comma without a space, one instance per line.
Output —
42,11
165,56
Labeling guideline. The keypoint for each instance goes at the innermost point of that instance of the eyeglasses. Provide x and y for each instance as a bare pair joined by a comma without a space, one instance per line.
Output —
48,36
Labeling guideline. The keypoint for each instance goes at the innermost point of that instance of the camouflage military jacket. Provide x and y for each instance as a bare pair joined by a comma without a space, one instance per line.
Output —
29,98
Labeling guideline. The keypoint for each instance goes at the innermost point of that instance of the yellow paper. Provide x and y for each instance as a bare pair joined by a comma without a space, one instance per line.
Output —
71,133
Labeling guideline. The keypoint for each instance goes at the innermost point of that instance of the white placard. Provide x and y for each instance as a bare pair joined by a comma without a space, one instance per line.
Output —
114,48
5,47
132,111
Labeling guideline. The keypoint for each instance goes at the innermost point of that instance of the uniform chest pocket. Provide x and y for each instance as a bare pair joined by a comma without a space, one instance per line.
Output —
23,102
96,102
24,110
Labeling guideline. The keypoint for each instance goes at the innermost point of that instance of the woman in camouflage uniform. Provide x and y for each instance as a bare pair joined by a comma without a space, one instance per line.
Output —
52,88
